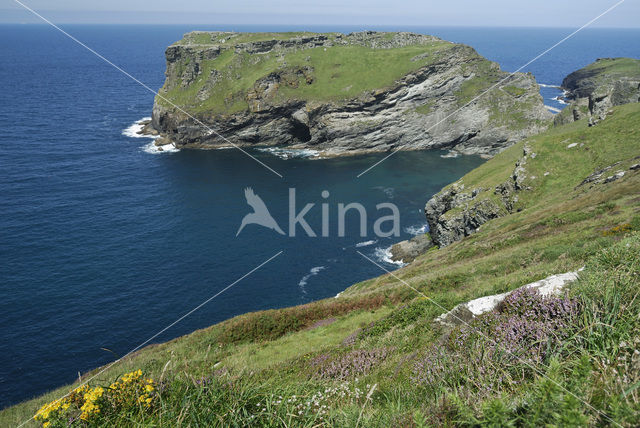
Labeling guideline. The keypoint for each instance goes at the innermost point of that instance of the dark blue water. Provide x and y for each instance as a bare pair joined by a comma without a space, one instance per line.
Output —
103,244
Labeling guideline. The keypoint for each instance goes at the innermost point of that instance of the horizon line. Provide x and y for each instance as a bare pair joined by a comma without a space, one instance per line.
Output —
311,25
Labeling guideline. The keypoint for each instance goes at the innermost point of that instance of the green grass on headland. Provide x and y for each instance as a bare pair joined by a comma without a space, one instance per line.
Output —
615,67
332,73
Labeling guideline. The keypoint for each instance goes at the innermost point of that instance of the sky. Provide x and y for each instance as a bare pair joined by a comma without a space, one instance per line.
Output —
489,13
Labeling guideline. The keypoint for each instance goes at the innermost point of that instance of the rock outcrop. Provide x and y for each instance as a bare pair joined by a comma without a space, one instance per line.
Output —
300,91
594,89
465,312
455,212
407,251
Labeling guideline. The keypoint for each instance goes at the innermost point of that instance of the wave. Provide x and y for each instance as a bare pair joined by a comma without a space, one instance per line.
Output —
151,148
384,255
366,243
133,130
549,86
314,271
291,153
450,155
417,229
388,191
560,99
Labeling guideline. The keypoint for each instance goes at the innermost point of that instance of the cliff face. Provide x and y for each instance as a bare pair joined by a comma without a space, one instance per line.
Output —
342,94
594,89
456,212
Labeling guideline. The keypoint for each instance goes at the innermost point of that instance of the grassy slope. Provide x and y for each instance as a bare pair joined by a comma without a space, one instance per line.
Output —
332,74
339,72
615,68
268,353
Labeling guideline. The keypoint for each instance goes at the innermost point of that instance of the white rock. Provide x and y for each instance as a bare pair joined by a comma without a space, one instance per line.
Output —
614,177
465,312
485,304
554,284
572,145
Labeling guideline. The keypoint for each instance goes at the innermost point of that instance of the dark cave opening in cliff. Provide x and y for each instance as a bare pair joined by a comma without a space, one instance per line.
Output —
300,132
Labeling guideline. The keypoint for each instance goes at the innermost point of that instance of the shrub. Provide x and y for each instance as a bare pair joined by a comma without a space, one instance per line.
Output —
354,363
271,324
87,404
496,350
402,317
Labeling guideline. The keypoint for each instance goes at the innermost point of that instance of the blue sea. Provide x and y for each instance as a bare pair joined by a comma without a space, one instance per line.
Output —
103,243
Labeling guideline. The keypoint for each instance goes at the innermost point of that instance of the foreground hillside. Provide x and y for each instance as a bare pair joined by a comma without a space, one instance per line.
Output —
340,94
375,357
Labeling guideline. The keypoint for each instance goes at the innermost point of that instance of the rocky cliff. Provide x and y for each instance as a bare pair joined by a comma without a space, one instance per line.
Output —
594,89
456,211
341,94
459,210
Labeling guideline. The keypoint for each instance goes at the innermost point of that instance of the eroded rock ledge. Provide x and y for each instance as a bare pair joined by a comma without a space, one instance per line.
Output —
456,212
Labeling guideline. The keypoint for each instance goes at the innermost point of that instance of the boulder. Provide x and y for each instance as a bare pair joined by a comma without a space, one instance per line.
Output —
465,312
407,251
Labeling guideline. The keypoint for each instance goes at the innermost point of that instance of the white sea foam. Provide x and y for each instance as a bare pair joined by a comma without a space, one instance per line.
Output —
417,229
450,155
388,191
560,99
291,153
314,271
133,131
549,86
366,243
384,255
151,148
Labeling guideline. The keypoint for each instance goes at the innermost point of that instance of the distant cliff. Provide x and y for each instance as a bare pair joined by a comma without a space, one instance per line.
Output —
341,94
458,211
594,89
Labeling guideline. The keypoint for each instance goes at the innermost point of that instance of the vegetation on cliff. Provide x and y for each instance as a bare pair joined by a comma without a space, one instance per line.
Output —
315,67
594,89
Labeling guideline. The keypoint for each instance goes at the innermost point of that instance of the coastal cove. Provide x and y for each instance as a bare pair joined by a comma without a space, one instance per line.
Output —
106,241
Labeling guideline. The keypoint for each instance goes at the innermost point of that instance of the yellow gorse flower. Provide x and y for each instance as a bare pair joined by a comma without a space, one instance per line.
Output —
131,390
90,398
45,411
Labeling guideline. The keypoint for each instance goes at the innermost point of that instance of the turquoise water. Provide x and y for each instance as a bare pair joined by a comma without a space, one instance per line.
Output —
103,244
